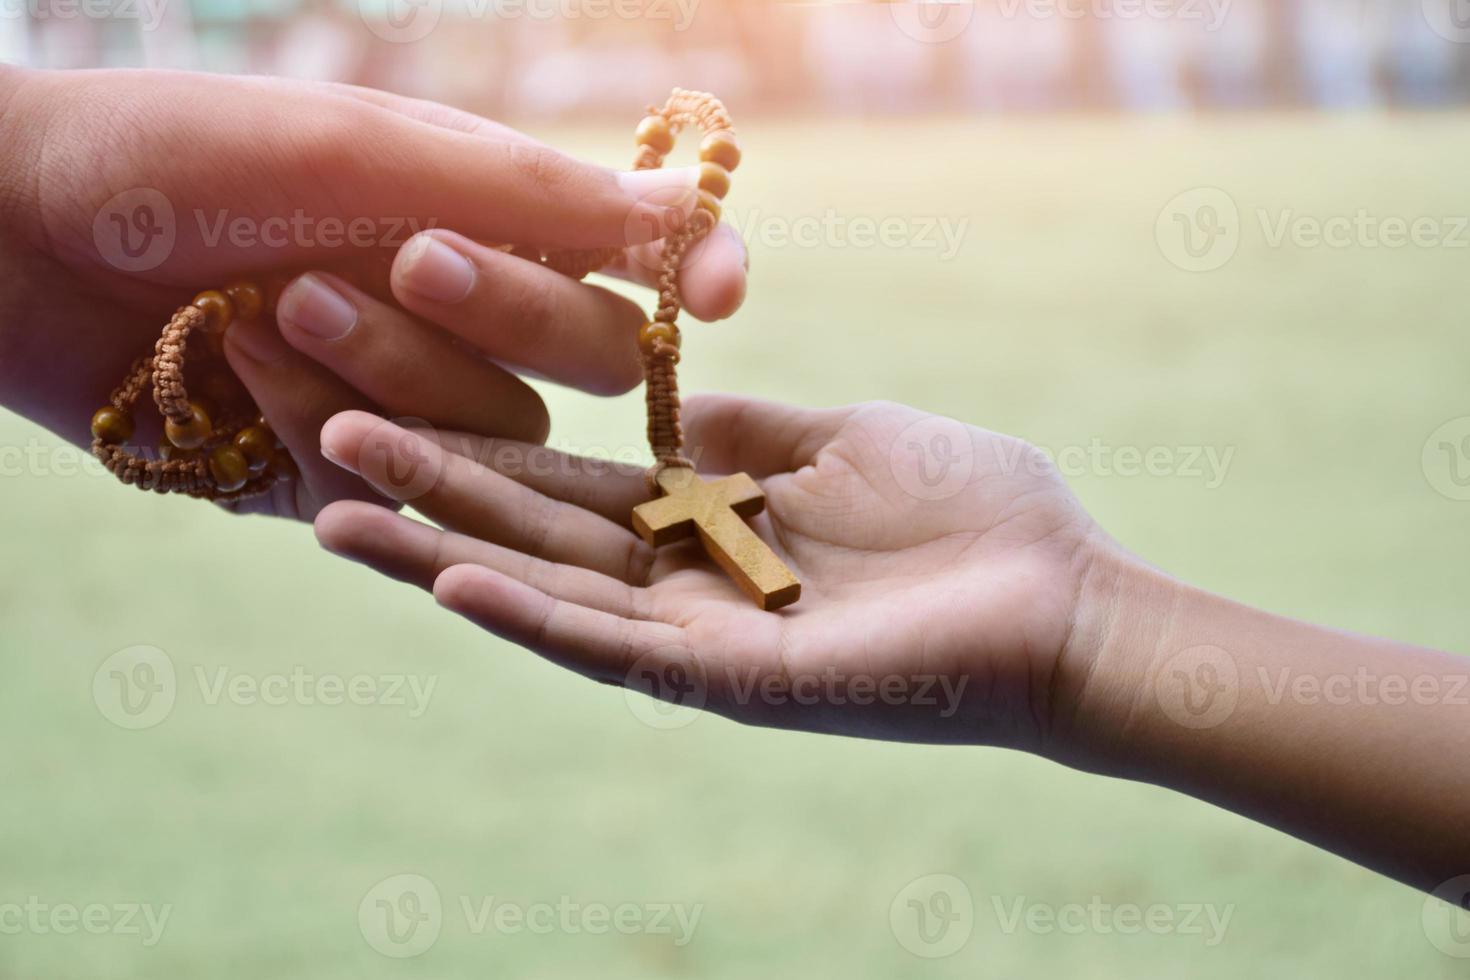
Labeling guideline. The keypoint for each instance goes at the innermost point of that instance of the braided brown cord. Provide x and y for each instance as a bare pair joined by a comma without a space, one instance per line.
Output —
164,374
661,392
168,364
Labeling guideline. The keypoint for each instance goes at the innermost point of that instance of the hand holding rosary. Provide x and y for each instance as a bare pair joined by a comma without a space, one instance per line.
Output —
222,449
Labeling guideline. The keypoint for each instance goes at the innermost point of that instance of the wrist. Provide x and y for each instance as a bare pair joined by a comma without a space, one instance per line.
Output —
1102,694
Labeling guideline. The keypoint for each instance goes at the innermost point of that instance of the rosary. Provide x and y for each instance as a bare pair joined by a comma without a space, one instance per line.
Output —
221,448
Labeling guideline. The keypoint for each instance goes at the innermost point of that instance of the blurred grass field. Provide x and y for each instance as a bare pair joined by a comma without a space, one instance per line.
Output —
1060,320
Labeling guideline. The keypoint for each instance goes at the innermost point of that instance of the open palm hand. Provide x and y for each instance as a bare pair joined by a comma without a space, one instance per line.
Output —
941,565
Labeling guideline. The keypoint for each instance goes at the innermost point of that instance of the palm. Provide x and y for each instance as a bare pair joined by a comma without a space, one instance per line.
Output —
917,581
911,563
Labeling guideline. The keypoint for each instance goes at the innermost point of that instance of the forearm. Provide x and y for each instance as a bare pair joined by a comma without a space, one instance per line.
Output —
1355,744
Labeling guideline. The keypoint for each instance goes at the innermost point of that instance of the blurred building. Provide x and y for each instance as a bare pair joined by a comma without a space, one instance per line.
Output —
555,57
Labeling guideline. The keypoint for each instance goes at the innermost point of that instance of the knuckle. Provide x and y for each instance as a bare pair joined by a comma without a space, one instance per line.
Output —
544,167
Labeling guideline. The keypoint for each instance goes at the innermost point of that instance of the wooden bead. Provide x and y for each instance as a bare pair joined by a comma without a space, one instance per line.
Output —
257,445
248,299
710,203
720,147
193,433
714,178
651,333
112,425
654,132
218,310
229,468
282,466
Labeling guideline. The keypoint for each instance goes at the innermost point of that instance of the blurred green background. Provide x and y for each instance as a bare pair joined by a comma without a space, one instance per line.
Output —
1060,319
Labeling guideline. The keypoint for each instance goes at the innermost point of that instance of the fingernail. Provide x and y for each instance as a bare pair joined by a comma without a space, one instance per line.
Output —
333,457
731,233
673,183
662,201
312,306
435,271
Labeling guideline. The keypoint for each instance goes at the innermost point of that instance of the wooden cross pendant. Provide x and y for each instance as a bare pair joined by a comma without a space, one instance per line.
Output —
715,511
